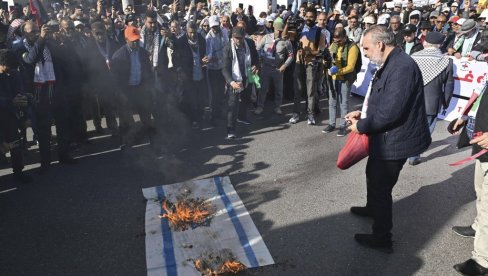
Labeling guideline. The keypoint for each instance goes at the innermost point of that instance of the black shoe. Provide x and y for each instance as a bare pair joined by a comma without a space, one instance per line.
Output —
472,268
464,231
361,211
68,161
22,178
328,129
414,161
368,240
342,132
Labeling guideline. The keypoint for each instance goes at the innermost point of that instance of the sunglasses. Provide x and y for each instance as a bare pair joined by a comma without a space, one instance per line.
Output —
205,26
440,21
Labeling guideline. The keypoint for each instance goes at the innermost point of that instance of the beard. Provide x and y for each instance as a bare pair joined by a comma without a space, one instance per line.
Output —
376,59
310,23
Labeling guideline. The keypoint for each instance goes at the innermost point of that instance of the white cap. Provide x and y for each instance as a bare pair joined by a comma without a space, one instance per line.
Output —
454,4
484,13
460,21
446,9
77,23
369,20
269,18
213,21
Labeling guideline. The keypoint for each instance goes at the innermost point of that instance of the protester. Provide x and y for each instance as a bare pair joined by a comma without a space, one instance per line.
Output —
411,43
10,101
190,58
345,54
276,55
311,41
132,68
477,131
39,75
216,41
437,73
394,118
240,61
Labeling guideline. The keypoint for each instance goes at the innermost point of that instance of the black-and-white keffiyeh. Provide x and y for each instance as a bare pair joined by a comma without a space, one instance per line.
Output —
44,69
431,62
153,47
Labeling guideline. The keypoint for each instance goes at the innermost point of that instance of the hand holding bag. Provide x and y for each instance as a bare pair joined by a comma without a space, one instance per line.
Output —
355,149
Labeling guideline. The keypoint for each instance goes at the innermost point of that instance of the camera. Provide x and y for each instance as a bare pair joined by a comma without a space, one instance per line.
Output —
294,22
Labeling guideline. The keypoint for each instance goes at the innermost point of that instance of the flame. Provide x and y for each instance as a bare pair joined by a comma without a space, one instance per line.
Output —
229,266
186,212
232,266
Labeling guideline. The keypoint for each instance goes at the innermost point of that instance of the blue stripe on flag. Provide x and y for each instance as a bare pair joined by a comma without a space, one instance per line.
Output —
237,224
168,249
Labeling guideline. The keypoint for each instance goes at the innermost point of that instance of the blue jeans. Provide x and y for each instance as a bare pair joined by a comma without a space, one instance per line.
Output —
341,95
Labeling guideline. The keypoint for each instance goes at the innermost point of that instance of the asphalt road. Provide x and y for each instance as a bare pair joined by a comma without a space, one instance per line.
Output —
88,219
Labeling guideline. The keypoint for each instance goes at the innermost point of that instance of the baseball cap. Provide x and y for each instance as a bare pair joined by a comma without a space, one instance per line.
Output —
131,33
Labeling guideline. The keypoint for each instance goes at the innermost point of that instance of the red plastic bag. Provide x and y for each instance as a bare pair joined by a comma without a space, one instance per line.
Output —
355,149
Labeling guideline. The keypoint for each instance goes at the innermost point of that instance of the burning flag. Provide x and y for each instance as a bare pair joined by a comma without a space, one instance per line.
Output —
210,264
186,212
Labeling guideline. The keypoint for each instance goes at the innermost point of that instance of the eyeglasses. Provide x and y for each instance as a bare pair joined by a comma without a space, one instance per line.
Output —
440,21
205,26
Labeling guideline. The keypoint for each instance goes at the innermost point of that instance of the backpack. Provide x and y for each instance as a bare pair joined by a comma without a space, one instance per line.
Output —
359,61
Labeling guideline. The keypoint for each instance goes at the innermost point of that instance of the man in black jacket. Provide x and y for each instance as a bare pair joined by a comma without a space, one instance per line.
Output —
100,80
10,99
411,43
240,60
133,73
41,73
395,121
189,60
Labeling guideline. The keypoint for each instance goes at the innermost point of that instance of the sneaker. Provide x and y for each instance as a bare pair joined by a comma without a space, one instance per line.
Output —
231,135
342,132
278,111
244,122
258,111
294,118
311,120
328,129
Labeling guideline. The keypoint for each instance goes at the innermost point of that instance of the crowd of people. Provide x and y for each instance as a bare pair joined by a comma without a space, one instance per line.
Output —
69,62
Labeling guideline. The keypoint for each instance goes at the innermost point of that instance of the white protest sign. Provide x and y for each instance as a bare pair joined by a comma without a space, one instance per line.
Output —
467,77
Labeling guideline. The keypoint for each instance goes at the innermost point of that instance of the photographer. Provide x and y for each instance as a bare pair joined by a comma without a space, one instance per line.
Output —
39,73
10,100
311,41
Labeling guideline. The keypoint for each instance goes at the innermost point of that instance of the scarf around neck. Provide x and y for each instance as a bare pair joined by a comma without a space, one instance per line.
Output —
154,46
44,69
236,72
431,62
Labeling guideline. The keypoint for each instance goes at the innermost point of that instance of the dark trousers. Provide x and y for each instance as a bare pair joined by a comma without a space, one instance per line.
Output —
102,101
10,133
193,97
237,106
46,109
305,81
136,99
381,177
216,85
77,117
